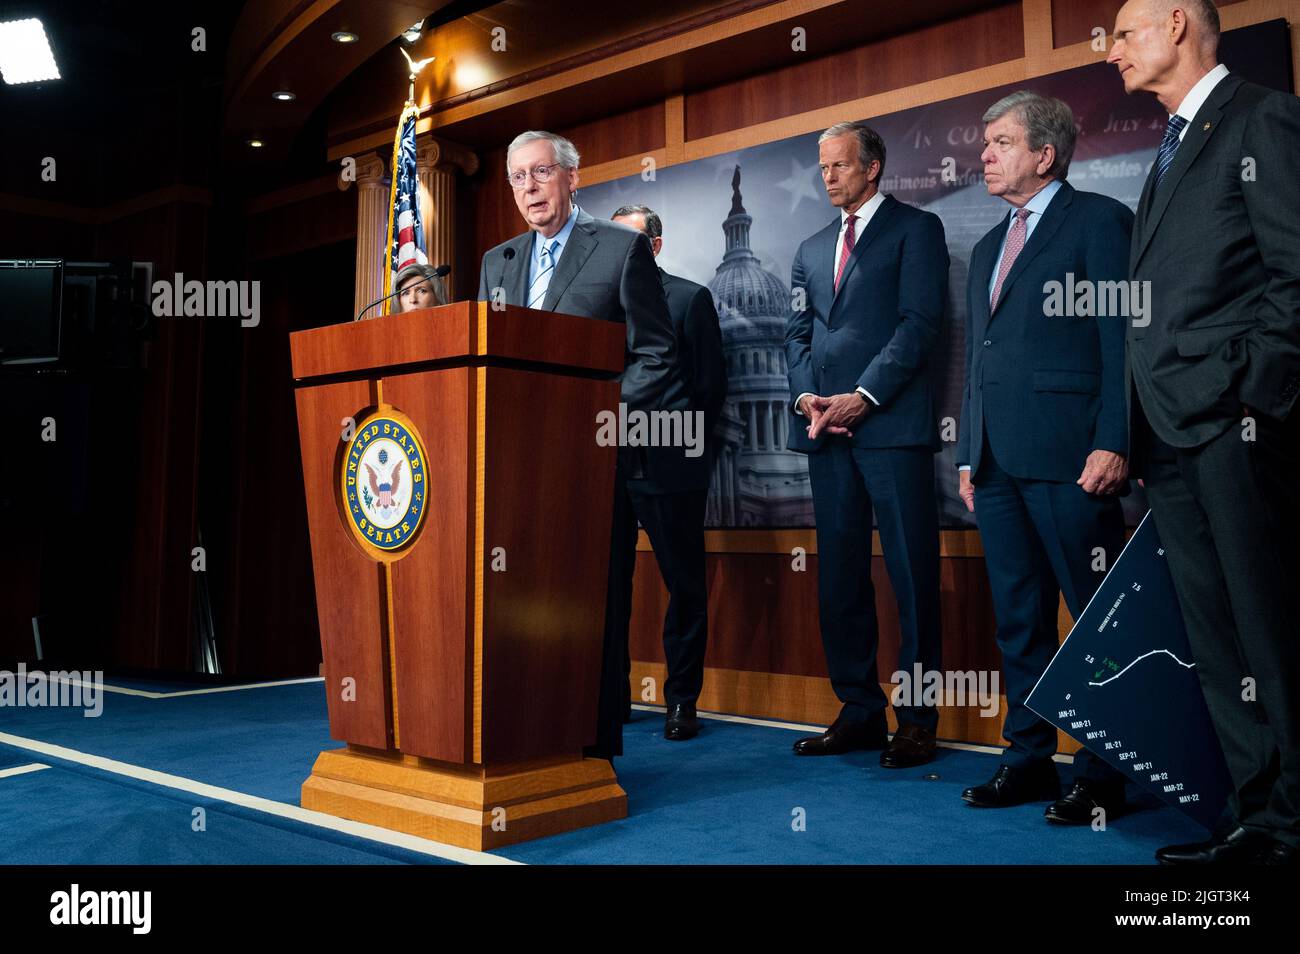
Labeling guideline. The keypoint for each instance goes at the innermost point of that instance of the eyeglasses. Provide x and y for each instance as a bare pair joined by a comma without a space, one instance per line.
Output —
540,174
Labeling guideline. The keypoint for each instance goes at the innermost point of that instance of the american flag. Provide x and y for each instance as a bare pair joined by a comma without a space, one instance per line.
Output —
405,231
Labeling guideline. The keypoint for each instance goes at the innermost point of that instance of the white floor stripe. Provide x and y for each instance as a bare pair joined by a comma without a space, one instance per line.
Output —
148,694
803,727
22,769
251,685
319,819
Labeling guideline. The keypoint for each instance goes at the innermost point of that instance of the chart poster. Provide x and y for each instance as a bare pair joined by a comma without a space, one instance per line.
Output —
1125,686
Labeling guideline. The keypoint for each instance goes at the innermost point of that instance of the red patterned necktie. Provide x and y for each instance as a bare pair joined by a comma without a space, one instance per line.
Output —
1015,243
846,251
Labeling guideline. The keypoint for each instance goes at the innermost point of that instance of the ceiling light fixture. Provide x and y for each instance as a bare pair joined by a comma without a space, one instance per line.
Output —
343,36
256,143
284,96
25,54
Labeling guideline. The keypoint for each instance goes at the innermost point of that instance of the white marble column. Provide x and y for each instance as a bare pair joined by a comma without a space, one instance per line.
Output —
372,231
436,165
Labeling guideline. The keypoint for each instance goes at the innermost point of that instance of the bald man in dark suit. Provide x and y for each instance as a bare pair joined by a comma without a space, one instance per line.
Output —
1213,376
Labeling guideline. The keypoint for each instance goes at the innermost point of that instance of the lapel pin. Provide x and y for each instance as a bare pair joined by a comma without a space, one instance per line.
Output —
1206,127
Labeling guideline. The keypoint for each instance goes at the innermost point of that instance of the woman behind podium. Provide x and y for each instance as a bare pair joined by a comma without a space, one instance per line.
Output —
419,286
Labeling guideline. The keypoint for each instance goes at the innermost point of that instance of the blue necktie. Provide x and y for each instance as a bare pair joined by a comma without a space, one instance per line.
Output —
537,293
1168,147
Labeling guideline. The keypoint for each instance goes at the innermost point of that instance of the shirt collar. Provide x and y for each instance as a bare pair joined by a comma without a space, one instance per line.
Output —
1198,94
561,236
865,211
1042,198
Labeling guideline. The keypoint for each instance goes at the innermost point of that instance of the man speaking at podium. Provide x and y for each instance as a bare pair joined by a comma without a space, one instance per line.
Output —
572,263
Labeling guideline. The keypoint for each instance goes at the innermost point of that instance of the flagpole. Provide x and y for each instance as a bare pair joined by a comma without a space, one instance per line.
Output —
408,108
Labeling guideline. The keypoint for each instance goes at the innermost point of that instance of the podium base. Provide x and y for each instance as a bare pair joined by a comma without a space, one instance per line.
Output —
467,806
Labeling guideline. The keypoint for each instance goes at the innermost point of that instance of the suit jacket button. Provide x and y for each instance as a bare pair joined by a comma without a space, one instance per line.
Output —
987,342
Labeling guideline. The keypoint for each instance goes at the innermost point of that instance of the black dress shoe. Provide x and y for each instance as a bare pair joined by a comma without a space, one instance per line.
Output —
1076,807
1232,845
1015,786
844,737
911,745
681,723
1279,854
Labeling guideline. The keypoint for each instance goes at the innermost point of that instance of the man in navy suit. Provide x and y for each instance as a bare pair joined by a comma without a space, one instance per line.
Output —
868,298
670,500
1043,441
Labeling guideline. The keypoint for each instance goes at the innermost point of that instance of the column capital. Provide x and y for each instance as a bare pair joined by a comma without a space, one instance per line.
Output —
432,153
370,170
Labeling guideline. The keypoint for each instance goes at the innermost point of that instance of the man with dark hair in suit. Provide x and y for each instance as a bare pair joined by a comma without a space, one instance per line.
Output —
572,263
1214,372
1043,443
670,505
869,292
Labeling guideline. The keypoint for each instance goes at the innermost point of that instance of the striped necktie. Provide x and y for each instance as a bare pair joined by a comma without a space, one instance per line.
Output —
537,293
847,250
1168,147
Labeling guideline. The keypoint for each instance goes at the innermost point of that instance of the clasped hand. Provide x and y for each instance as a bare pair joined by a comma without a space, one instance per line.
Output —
836,414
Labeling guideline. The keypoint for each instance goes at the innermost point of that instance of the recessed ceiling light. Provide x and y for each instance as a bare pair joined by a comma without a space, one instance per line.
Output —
256,143
284,96
25,54
343,36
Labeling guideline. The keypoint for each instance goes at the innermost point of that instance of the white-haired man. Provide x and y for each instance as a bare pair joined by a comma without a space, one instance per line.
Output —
572,263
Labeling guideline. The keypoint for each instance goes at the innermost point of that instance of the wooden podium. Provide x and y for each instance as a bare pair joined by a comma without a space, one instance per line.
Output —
459,509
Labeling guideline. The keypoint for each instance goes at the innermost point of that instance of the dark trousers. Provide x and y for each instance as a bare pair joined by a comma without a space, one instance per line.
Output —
1038,538
847,483
675,524
1227,515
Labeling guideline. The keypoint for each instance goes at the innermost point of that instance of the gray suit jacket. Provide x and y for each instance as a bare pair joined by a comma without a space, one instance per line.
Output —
607,272
1218,241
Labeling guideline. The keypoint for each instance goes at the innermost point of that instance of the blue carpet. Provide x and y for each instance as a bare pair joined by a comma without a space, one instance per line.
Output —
258,741
731,796
11,757
74,816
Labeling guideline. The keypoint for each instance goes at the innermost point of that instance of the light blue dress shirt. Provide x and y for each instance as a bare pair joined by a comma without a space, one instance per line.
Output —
539,240
1036,206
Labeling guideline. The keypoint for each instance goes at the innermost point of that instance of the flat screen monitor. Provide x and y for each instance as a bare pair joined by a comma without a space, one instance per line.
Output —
31,292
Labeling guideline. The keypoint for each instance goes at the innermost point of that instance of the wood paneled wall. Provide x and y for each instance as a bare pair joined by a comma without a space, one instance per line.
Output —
967,43
1074,20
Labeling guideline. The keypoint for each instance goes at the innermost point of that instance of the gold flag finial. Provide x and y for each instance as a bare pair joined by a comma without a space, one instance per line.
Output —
416,66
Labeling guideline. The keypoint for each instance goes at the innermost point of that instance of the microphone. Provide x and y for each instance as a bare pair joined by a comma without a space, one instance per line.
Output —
508,254
440,272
